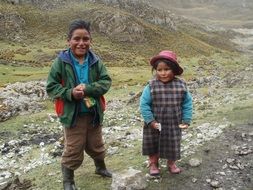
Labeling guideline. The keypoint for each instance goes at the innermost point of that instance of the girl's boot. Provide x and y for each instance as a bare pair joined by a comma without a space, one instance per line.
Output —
153,165
173,169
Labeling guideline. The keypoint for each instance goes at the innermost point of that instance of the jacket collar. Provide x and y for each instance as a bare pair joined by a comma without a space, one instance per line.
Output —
65,56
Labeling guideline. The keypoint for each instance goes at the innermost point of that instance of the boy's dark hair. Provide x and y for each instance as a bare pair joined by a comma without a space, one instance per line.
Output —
78,24
171,64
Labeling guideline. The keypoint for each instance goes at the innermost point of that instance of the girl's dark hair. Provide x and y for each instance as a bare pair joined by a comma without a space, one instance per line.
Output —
171,64
78,24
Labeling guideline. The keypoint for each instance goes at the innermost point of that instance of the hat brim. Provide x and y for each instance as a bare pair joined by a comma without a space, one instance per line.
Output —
179,69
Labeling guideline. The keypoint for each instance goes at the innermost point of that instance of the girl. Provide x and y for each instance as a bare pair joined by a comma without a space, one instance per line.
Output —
166,107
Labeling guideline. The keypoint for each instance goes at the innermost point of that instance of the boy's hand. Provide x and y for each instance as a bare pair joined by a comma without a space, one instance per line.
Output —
81,87
78,92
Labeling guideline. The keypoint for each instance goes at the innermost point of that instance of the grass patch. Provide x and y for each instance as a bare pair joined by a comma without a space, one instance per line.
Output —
16,124
123,76
52,177
236,113
12,74
240,113
46,177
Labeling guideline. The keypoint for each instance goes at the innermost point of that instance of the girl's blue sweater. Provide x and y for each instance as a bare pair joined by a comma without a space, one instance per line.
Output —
146,106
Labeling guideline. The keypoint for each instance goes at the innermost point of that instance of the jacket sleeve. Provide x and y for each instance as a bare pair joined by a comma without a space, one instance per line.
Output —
101,84
55,82
146,105
187,108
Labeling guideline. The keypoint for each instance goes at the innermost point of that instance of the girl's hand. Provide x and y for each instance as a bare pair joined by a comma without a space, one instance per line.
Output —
183,126
155,125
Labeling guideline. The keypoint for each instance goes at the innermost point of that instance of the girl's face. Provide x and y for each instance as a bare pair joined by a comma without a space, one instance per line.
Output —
79,43
164,73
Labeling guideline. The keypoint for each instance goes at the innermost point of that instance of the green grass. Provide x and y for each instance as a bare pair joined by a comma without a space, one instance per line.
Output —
129,76
134,75
16,123
12,74
239,112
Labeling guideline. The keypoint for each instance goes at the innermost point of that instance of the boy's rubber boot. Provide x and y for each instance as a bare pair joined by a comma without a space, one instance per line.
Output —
172,167
68,179
153,165
101,168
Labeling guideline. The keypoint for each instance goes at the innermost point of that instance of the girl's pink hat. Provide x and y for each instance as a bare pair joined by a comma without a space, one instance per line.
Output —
171,56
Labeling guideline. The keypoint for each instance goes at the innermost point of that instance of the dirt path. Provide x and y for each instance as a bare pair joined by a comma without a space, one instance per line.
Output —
227,164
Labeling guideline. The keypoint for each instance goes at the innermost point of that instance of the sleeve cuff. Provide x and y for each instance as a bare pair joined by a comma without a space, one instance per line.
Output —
188,122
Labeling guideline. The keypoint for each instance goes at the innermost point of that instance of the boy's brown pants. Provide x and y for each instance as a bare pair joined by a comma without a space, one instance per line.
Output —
83,137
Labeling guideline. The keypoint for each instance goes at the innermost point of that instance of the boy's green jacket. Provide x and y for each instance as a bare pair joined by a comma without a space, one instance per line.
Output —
62,79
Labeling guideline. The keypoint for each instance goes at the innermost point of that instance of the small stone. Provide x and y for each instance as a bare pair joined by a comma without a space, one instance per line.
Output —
233,167
224,166
215,183
194,162
194,180
230,160
222,173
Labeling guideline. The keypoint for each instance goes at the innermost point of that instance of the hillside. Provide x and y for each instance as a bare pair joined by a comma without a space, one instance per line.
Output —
126,34
221,13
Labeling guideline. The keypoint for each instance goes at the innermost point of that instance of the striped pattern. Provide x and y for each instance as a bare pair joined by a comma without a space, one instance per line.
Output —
166,105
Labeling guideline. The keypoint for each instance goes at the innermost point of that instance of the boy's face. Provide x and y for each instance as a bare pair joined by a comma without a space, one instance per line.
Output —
80,42
164,73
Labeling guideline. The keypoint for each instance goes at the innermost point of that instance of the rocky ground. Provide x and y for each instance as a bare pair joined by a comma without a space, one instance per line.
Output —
224,163
215,156
216,153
